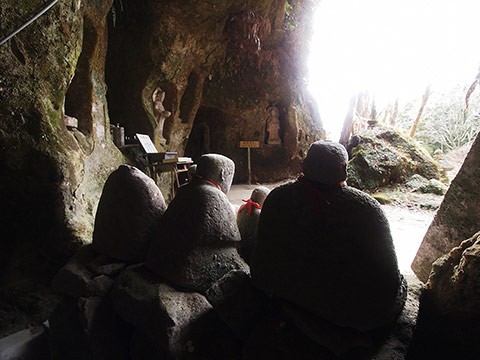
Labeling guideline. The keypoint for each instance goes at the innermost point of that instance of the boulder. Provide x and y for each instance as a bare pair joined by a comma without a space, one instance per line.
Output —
457,218
288,331
28,344
454,285
433,186
382,156
172,320
130,207
449,320
80,277
416,181
88,328
237,302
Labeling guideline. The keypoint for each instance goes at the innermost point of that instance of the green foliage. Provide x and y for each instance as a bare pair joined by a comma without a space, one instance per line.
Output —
290,17
445,123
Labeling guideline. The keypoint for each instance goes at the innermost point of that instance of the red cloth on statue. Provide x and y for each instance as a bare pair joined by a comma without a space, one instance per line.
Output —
249,203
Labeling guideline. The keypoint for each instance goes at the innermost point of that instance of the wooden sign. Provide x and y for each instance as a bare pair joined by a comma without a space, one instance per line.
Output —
250,144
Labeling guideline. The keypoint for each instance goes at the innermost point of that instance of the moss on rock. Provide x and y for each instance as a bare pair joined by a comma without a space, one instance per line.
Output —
382,156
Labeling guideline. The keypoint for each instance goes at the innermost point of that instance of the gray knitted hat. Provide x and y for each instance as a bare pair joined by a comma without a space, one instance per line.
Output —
326,162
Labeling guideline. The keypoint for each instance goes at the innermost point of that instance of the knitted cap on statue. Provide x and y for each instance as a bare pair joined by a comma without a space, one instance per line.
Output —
326,163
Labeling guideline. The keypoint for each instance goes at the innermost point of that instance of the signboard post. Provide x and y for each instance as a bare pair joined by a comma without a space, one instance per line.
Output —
249,144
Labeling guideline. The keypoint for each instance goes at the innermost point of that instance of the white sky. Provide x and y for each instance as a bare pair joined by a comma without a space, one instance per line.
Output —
392,49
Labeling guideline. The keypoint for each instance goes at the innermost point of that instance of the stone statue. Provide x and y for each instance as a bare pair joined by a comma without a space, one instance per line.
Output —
160,115
247,221
326,249
129,208
273,126
196,243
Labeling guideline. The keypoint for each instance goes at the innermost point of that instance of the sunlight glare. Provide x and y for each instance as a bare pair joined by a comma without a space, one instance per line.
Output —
390,48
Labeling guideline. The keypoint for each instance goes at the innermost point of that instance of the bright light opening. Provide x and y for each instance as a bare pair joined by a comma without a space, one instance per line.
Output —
392,49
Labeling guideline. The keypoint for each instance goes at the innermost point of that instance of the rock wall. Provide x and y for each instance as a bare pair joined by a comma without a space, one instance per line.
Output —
221,67
458,217
100,62
51,177
448,323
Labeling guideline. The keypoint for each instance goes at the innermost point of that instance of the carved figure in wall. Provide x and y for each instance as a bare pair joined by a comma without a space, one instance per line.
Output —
273,126
197,242
160,115
333,250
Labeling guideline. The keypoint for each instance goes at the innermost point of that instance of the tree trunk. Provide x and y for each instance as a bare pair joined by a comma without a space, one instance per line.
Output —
393,118
425,97
348,123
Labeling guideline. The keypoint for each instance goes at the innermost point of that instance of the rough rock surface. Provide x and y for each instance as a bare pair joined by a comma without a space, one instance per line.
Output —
237,302
76,279
220,66
287,334
172,320
335,259
130,207
59,68
457,218
454,283
382,156
28,344
448,325
51,176
88,328
84,324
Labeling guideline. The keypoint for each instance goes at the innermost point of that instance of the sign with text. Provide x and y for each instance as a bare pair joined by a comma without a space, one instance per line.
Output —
249,144
146,143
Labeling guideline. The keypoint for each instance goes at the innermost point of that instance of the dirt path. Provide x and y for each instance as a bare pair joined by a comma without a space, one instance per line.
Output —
408,225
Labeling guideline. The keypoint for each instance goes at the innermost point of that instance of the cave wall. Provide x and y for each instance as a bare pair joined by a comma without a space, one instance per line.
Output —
189,51
51,177
99,62
250,80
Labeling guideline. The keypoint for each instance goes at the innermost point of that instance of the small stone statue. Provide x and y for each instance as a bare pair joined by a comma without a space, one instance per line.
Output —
196,245
247,221
129,208
160,115
273,126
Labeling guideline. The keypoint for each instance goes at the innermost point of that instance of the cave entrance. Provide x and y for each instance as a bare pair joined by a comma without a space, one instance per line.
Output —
392,52
404,65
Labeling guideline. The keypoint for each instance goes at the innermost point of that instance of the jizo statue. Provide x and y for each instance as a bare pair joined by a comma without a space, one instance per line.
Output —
160,115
